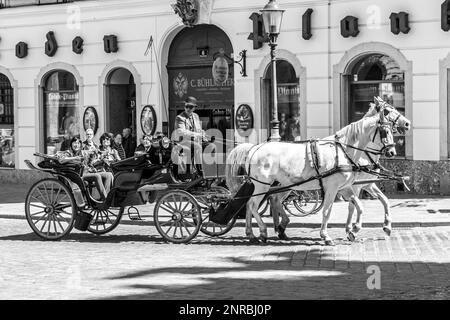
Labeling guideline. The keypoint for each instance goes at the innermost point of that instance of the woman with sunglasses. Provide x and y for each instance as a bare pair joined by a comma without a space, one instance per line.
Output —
108,153
102,181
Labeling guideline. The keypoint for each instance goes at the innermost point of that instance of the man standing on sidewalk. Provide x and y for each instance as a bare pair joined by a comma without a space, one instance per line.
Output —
128,142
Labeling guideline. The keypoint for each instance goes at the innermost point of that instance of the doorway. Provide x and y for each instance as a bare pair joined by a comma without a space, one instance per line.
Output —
200,65
120,95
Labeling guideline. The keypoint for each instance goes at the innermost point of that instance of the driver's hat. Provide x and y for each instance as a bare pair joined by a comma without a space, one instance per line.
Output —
190,101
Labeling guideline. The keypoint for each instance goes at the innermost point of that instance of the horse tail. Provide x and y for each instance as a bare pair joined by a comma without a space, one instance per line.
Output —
235,166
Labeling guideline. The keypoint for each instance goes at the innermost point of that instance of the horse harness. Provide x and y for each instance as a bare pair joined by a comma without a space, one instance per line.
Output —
374,168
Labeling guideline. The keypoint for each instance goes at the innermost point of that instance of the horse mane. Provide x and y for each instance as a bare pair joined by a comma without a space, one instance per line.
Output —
352,132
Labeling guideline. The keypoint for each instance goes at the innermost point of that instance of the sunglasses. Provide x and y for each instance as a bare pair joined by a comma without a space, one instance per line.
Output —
190,106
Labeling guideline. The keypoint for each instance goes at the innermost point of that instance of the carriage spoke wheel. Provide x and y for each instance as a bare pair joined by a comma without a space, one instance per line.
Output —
305,202
50,209
177,216
104,221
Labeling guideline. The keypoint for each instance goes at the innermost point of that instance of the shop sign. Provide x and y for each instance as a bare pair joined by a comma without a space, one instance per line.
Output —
244,119
56,96
220,69
148,120
77,45
90,119
199,83
288,93
51,46
21,50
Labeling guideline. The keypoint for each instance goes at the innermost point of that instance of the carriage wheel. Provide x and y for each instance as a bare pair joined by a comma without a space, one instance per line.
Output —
306,202
213,229
50,209
177,216
104,221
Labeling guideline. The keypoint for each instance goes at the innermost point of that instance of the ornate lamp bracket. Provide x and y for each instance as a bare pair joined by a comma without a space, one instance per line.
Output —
242,62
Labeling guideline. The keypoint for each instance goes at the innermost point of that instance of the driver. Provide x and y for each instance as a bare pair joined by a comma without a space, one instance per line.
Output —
188,129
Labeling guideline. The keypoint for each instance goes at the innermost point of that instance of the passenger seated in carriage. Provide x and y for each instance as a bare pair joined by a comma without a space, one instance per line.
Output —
107,153
102,180
145,146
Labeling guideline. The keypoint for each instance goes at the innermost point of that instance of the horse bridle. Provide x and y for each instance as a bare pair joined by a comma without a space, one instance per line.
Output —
382,130
395,122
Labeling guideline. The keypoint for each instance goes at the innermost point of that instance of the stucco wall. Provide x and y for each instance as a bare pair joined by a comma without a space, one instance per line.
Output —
135,21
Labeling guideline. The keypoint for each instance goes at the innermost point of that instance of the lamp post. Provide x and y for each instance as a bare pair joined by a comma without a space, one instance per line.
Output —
272,17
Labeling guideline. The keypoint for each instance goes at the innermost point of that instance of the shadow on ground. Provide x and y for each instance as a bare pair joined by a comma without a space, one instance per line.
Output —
287,281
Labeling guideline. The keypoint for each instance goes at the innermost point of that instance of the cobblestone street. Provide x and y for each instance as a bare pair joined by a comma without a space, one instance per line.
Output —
133,263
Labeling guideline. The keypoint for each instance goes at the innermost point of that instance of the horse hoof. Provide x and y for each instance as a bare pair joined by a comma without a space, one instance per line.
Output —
283,236
329,243
351,236
387,231
263,239
254,240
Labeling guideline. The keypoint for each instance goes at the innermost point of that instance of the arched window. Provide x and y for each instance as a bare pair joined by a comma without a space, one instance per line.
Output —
7,153
376,75
61,111
288,100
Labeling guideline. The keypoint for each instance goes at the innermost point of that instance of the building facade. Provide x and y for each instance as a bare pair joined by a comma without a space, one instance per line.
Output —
112,64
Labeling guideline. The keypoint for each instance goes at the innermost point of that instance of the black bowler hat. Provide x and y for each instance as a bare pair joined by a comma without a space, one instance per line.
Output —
191,101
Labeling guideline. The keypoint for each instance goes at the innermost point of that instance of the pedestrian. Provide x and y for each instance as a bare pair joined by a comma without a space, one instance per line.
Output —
119,147
128,143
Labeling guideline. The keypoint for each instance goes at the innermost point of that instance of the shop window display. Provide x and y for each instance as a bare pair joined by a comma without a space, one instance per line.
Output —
7,143
288,100
61,111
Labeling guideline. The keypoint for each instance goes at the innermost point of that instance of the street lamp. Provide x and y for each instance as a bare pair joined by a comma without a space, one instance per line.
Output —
272,17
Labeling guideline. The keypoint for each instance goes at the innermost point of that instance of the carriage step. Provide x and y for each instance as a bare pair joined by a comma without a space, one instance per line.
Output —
134,216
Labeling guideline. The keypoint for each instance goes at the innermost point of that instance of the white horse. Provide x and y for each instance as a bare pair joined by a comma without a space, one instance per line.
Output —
290,164
401,124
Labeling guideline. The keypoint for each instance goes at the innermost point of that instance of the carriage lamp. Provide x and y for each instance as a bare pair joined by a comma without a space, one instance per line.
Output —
272,17
165,142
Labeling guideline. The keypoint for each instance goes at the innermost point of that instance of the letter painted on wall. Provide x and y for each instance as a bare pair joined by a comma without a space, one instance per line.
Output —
399,22
445,15
306,24
110,43
349,27
21,50
51,46
257,36
77,45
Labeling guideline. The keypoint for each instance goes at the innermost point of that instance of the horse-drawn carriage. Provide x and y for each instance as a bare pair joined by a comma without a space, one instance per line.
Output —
182,209
56,204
